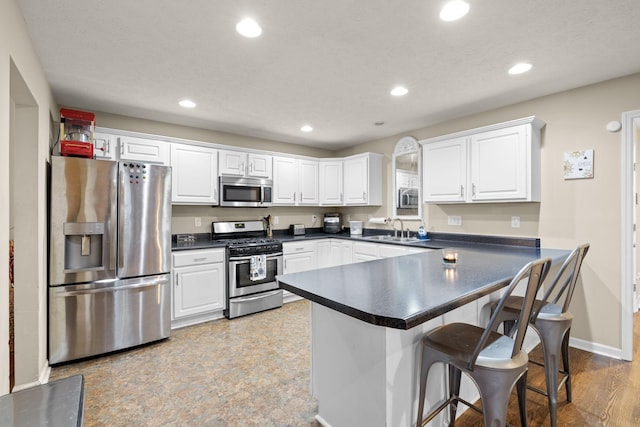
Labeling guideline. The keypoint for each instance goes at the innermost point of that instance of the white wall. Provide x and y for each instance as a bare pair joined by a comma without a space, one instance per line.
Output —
19,62
570,212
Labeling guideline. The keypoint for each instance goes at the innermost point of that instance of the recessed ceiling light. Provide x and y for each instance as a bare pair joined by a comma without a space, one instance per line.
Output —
187,103
399,91
454,10
520,68
248,28
380,123
306,128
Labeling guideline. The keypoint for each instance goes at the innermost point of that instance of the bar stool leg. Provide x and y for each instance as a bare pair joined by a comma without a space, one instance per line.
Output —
521,387
565,363
495,392
552,343
455,377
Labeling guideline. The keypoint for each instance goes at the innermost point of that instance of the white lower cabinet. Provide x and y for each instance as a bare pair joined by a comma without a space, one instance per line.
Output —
198,286
364,252
298,256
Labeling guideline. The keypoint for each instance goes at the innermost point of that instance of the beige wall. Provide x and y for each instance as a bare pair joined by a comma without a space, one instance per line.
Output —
570,212
22,77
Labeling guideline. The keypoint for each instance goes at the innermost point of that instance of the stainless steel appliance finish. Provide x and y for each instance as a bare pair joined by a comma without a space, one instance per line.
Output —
245,241
245,192
408,198
110,248
332,223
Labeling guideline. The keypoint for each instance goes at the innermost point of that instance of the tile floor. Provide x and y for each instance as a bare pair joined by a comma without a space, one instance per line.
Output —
248,371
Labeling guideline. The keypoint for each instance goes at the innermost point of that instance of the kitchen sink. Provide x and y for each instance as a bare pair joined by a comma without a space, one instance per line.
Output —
392,239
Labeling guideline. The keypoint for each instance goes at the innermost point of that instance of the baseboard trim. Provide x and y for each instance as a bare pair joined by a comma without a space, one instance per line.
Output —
591,347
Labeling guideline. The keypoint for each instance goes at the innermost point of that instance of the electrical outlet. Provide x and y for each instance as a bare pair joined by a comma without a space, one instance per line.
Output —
276,220
198,221
454,220
515,222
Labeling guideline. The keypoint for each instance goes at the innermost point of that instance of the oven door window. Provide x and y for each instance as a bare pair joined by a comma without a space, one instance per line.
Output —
242,274
234,193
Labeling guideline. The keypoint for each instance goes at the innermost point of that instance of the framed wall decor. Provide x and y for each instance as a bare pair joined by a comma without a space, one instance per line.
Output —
578,164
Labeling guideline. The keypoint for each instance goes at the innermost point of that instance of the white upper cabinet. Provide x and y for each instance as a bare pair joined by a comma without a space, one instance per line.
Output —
144,150
331,183
238,163
194,176
295,181
104,146
445,170
499,163
363,179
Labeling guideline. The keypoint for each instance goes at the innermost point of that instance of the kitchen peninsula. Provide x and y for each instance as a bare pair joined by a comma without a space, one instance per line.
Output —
367,320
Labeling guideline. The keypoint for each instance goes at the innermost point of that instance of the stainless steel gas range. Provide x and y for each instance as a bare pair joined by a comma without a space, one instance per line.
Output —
253,261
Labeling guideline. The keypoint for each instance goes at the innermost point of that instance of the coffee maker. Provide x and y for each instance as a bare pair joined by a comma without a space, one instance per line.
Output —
332,223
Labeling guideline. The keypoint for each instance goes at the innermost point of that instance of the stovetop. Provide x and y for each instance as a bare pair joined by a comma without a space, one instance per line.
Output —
252,246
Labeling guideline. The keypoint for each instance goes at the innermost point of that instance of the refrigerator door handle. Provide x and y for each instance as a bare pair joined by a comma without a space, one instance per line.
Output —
112,289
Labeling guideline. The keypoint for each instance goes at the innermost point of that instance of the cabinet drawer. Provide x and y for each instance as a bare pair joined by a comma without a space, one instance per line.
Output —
197,257
297,247
365,249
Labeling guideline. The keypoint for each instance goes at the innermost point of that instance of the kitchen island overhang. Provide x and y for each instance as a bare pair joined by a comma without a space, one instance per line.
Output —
403,292
367,320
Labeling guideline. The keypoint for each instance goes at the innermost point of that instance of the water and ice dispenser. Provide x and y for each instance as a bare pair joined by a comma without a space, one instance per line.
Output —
83,246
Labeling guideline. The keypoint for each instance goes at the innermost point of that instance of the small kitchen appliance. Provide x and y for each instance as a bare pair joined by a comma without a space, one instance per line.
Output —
76,133
253,261
355,228
110,256
297,229
332,223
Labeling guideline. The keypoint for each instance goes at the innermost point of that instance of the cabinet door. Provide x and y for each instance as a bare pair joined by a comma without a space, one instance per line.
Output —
308,182
331,183
232,163
295,263
144,150
285,180
499,164
356,174
198,289
445,170
324,258
364,252
194,175
390,251
346,253
260,165
104,146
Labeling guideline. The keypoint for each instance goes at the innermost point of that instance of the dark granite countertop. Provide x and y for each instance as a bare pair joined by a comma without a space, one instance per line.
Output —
406,291
434,241
58,403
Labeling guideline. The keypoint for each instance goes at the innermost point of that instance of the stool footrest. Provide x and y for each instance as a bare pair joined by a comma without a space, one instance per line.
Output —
445,404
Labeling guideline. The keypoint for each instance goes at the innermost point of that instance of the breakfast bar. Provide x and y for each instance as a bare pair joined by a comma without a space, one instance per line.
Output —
367,320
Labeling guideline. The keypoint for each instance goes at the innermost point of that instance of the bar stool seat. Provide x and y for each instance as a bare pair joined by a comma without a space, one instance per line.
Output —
495,362
551,319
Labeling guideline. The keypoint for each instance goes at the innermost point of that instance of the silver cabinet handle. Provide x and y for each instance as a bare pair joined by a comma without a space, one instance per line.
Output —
121,147
473,190
462,191
199,259
294,197
341,195
364,196
177,280
107,145
301,196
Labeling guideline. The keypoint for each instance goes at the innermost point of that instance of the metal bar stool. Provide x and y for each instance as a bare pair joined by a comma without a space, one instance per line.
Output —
495,362
551,319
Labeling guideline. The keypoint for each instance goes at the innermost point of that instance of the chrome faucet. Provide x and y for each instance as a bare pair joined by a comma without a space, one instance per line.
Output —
395,230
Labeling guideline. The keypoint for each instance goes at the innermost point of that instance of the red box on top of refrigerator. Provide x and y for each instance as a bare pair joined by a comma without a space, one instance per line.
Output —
76,133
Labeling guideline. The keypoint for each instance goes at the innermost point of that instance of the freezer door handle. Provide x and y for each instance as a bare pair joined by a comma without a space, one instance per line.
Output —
138,286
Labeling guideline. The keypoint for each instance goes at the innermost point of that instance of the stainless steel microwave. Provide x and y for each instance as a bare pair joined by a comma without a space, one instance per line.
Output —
408,198
245,192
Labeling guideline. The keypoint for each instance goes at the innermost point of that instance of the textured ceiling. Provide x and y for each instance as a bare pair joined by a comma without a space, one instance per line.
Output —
328,63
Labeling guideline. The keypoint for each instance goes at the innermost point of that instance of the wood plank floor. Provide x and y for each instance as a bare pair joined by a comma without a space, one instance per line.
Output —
606,392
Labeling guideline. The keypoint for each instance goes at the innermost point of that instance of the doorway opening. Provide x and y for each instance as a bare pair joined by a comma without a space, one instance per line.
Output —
630,137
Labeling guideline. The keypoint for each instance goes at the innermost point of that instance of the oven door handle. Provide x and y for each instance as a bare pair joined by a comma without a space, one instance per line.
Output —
248,258
256,297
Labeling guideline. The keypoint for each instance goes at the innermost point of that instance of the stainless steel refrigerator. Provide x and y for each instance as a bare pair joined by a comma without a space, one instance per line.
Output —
109,256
